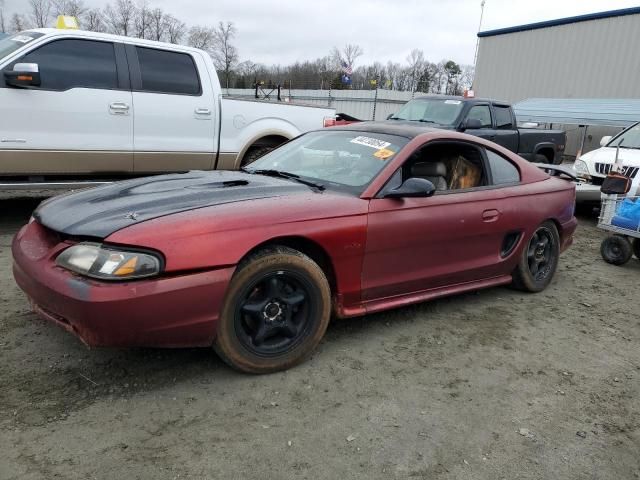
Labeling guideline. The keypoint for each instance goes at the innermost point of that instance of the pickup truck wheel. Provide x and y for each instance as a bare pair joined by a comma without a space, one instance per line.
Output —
636,247
542,158
538,260
254,153
275,313
616,250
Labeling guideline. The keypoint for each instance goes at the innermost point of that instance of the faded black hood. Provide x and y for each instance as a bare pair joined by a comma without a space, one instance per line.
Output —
99,212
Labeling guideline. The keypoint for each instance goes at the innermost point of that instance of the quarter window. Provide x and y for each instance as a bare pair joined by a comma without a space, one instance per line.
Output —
168,72
71,63
503,118
502,170
482,113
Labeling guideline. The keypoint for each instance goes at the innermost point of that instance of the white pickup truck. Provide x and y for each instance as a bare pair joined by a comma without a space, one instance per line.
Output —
592,167
80,106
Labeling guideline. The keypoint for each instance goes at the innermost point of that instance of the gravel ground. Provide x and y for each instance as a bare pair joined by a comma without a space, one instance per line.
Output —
491,385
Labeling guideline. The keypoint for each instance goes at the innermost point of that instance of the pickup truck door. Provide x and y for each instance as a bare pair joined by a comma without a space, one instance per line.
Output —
78,121
175,118
482,112
506,132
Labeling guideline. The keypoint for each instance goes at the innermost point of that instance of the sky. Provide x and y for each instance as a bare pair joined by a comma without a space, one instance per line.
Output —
285,31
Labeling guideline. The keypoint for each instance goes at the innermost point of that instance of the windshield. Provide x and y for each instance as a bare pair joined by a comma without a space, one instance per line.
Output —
341,159
627,139
11,44
432,110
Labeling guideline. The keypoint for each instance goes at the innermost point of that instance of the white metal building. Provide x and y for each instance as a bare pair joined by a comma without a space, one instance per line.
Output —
585,59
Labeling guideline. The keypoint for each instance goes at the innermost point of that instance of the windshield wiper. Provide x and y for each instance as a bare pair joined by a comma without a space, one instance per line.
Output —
289,176
426,121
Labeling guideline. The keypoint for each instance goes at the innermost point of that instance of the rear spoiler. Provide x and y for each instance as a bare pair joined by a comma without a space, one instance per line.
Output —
557,170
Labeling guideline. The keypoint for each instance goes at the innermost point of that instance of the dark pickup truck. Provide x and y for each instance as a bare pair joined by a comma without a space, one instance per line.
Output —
487,119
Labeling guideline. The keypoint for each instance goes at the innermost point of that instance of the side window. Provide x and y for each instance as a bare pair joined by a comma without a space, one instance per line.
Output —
449,166
502,170
503,118
168,72
482,113
71,63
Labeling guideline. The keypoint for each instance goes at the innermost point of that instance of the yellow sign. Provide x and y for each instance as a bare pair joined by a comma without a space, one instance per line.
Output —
67,22
383,153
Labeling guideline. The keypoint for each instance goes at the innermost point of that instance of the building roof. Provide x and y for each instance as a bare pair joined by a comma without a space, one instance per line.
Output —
562,21
611,112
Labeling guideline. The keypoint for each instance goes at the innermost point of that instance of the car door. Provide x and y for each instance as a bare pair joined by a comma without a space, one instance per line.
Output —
78,121
456,236
506,133
175,119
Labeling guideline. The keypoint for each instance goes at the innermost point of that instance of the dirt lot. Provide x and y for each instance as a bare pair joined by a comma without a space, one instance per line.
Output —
491,385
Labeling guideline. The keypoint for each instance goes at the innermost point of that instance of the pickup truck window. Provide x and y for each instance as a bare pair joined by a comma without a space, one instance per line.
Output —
502,170
503,118
482,113
11,44
441,112
168,72
66,64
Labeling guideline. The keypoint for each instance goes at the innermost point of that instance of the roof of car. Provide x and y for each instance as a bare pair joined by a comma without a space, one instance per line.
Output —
389,127
458,97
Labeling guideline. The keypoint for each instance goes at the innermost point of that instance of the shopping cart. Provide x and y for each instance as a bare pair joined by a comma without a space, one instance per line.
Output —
620,216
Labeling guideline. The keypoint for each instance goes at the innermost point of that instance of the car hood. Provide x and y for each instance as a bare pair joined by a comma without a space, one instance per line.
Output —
99,212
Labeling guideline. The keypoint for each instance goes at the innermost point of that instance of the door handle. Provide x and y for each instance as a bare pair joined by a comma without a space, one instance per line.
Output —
203,111
490,215
119,108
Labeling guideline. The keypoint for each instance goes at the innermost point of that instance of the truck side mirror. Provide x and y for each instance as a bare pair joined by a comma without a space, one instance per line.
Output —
605,140
471,124
23,75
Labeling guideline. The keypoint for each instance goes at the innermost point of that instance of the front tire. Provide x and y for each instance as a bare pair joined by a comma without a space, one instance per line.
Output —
636,247
616,250
539,259
275,313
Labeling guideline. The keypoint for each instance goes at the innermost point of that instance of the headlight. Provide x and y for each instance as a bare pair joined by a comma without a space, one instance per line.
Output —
581,169
106,263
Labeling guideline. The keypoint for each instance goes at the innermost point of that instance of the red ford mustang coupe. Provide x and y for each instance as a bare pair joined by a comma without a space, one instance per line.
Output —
343,221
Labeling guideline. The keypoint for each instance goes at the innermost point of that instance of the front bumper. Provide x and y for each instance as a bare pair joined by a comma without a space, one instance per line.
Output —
587,192
172,311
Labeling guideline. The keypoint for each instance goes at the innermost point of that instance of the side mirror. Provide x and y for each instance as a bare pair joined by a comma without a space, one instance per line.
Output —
605,140
412,187
23,75
471,124
616,184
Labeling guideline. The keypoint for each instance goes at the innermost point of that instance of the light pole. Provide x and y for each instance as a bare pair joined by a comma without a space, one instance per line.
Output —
475,57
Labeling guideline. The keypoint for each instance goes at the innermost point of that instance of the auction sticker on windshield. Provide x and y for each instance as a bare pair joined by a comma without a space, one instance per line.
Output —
452,102
384,153
371,142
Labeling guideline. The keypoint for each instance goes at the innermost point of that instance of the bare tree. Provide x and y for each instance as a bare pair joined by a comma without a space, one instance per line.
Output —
18,23
40,12
175,28
348,55
202,37
158,24
3,25
120,17
73,8
416,63
225,55
94,21
142,21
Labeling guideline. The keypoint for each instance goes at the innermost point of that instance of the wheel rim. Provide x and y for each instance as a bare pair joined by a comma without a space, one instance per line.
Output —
540,254
273,313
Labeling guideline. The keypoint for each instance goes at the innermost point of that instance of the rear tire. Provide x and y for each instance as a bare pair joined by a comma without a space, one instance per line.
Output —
538,260
636,247
540,158
275,313
616,250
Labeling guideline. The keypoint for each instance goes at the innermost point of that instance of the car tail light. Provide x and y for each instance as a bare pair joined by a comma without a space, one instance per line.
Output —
329,122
